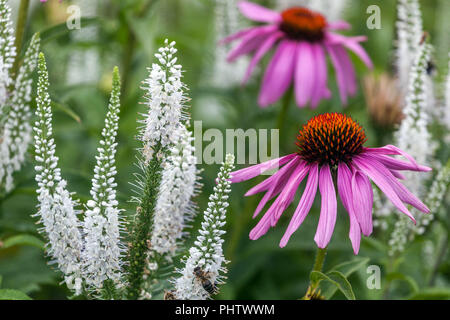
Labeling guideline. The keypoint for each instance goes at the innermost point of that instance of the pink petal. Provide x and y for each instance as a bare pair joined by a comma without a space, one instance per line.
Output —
339,25
350,75
340,72
253,171
344,182
238,35
286,198
403,193
396,174
304,74
272,180
352,44
320,89
362,201
395,164
258,13
378,173
262,50
328,210
303,206
279,73
393,150
251,41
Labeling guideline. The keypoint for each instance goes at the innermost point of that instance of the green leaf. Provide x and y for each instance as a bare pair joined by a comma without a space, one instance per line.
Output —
337,279
409,280
11,294
1,279
346,269
23,239
432,294
61,29
66,110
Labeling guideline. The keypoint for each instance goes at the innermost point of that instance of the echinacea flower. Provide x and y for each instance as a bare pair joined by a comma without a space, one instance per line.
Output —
302,39
331,148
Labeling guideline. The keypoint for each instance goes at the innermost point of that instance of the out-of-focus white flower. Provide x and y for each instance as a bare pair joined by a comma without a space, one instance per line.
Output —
446,113
175,209
16,133
207,252
7,51
409,34
101,227
414,138
165,101
56,207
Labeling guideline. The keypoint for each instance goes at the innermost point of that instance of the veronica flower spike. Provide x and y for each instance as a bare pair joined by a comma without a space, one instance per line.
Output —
331,148
302,38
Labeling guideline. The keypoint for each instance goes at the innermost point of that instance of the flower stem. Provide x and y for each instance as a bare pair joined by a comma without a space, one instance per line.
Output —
20,30
318,265
284,110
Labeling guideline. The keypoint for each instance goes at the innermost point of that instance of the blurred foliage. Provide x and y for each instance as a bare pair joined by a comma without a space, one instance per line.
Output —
129,33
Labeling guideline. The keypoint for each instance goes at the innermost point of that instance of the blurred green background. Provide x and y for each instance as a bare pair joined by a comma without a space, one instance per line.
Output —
129,32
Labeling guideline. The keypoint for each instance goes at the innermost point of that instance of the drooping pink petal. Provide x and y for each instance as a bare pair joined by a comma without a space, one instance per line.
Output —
393,150
396,174
350,75
279,205
320,89
344,182
279,73
339,25
286,198
362,201
251,41
305,77
395,164
378,174
238,35
328,210
273,179
403,193
258,13
253,171
352,44
262,50
340,72
303,206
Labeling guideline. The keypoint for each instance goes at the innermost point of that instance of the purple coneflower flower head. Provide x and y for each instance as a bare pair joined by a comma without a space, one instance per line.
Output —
302,39
331,151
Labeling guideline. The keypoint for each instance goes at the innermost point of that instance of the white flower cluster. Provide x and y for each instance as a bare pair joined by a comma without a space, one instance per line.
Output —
227,21
165,101
409,34
207,252
414,138
56,207
16,132
7,51
101,226
174,208
446,114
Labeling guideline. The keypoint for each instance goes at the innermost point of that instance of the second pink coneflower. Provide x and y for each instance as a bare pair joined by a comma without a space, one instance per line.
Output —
302,39
331,146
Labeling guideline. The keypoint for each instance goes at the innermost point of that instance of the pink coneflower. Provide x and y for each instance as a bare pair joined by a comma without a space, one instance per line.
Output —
330,146
302,39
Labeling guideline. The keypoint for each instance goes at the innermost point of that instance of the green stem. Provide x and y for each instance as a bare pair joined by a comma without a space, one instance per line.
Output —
20,30
318,265
141,228
284,110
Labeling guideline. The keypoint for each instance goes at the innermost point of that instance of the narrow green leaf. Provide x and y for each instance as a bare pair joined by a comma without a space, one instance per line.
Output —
66,110
61,29
23,239
432,294
337,279
1,279
11,294
409,280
